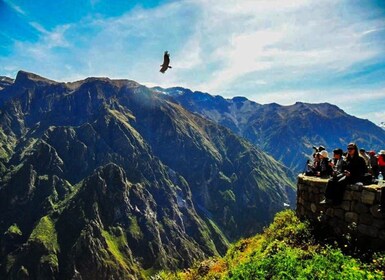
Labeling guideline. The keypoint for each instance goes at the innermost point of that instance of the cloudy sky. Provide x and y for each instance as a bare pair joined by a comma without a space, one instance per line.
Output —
279,51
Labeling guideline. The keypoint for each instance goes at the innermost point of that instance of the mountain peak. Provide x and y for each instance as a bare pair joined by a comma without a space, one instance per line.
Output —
23,76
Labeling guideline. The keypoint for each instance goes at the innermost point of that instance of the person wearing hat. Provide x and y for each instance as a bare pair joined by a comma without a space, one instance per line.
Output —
355,172
338,164
325,168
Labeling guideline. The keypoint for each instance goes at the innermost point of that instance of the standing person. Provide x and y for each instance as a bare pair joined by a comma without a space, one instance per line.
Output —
354,172
381,162
374,163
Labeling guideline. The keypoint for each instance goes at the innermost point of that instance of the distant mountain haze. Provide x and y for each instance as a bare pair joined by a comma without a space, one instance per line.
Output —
108,179
285,132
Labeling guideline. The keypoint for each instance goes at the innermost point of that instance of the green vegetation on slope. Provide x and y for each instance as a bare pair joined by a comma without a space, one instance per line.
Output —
286,250
45,234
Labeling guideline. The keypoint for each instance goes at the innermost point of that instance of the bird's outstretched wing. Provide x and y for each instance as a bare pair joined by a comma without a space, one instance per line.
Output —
166,62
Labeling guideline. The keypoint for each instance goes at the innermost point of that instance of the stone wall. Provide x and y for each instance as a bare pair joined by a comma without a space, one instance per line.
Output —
357,215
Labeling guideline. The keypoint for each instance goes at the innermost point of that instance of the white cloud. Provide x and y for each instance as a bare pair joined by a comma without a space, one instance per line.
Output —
226,47
15,7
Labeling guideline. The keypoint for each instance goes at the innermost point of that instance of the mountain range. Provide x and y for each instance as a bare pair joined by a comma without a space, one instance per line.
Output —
108,179
288,133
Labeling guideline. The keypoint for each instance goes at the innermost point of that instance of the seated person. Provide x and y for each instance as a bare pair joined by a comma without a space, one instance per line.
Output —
313,168
355,172
374,163
325,169
365,157
338,164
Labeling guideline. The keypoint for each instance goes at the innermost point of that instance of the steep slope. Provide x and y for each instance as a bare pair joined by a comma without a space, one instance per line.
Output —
104,177
286,132
288,249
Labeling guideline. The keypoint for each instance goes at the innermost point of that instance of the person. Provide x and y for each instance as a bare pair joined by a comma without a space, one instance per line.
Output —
314,167
381,162
374,163
365,156
339,166
355,172
325,169
338,163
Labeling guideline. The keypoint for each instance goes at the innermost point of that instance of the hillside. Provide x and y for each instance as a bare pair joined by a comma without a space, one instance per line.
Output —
287,249
286,132
106,179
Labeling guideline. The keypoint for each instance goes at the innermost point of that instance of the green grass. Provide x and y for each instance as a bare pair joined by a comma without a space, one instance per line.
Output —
45,233
134,228
287,249
114,243
14,230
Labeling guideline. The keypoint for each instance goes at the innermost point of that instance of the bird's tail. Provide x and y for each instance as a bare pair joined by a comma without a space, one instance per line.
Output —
169,67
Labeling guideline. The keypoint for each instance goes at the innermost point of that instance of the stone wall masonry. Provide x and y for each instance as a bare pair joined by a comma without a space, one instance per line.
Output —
357,214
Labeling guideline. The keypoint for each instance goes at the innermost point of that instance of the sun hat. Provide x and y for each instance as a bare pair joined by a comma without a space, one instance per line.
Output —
324,153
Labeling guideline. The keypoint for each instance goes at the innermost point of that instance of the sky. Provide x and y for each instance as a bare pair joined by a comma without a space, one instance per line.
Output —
266,50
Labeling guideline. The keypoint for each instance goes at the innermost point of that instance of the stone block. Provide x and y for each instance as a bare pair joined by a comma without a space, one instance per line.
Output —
300,200
351,217
302,187
339,213
360,208
379,223
316,190
345,205
313,207
368,230
330,212
311,197
381,234
348,195
374,211
368,197
366,219
356,195
301,210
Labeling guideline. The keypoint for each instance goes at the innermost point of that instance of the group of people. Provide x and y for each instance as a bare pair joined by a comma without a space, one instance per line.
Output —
353,166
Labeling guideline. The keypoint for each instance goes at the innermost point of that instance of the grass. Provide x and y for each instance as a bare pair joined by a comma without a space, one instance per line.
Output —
134,228
14,230
45,233
287,249
114,243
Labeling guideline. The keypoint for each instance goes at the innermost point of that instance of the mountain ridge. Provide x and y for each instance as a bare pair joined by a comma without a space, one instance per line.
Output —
104,177
289,132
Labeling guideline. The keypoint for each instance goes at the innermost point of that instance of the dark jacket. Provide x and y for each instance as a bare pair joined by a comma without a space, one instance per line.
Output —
325,168
357,168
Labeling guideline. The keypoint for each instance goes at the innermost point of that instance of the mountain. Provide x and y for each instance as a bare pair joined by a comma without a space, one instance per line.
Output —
286,132
382,125
107,179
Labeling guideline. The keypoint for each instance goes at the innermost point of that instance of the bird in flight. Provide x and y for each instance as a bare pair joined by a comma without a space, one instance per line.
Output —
166,62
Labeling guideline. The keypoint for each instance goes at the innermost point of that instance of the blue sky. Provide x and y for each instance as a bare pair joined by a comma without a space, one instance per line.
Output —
267,50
